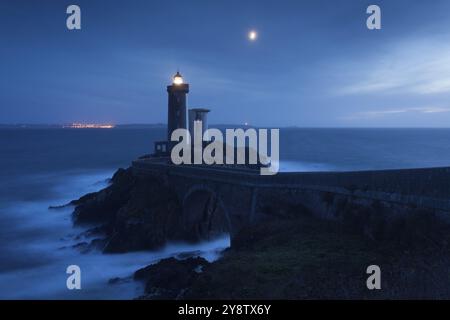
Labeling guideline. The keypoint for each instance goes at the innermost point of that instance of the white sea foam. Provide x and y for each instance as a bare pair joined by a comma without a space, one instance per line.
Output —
299,166
38,248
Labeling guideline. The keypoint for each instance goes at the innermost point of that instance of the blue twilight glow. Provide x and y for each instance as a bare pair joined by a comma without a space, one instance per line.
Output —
311,63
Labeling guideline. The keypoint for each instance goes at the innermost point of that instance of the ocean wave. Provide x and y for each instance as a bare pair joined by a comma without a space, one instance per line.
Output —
36,248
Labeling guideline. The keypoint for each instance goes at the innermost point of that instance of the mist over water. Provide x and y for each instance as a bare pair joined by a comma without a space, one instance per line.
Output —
42,168
36,248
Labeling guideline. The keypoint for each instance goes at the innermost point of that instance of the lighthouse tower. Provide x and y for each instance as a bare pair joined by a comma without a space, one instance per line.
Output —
177,92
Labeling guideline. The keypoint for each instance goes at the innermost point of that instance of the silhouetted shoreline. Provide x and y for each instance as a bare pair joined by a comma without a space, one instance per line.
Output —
291,254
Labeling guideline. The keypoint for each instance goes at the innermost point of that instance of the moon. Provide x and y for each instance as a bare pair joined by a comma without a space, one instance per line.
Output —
253,35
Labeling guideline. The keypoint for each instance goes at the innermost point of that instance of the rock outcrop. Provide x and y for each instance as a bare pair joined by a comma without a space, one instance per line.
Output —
170,278
311,258
297,251
134,213
102,206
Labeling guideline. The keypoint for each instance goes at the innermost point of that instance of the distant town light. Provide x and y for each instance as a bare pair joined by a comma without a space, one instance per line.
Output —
178,79
89,126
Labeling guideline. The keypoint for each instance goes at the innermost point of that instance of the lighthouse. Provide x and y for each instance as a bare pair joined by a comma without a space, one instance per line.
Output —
177,115
177,94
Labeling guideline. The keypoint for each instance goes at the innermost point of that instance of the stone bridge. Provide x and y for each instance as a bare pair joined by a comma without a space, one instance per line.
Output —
243,197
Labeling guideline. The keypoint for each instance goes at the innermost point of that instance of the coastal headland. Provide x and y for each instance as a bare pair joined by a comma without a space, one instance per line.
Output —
286,230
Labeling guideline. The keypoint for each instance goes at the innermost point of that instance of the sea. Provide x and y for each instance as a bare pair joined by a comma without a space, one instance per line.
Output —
47,167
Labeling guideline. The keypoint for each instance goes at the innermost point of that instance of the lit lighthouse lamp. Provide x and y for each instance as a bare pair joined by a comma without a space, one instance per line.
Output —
177,79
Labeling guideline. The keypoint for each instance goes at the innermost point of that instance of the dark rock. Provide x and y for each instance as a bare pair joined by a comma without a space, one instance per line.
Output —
148,220
189,254
135,213
170,278
313,258
118,280
102,206
85,247
82,247
98,244
59,207
114,280
96,231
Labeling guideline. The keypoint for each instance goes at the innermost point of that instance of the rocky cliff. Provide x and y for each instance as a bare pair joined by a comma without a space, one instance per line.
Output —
306,257
133,213
294,252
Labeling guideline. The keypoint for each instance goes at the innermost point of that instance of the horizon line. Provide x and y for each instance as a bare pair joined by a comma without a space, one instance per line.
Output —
64,126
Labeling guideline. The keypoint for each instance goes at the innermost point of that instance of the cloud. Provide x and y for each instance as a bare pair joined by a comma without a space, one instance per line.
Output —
418,67
387,112
208,75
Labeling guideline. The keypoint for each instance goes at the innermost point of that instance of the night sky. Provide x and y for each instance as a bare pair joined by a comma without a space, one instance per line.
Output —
314,63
